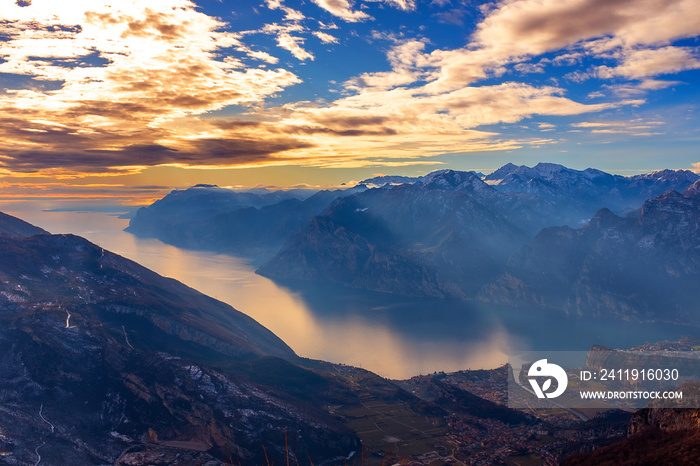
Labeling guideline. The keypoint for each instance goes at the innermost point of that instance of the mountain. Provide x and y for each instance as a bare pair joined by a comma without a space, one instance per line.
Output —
590,188
68,271
657,182
196,203
437,238
444,234
204,197
382,180
104,361
222,220
645,265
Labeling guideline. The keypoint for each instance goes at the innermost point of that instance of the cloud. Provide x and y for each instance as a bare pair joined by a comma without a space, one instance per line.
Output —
325,37
529,68
54,150
636,127
435,92
284,38
453,16
123,73
533,27
87,192
407,62
401,122
293,44
323,25
515,30
566,59
290,13
259,55
343,10
640,88
643,63
405,5
433,95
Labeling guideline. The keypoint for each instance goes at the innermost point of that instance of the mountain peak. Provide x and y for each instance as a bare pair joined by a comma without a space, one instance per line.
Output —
548,167
668,175
604,218
451,179
502,172
693,190
546,170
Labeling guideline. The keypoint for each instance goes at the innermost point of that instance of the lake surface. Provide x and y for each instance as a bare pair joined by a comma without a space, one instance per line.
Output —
393,336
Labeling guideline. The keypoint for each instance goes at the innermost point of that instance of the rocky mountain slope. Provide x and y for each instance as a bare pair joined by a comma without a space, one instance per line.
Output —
645,265
104,361
655,436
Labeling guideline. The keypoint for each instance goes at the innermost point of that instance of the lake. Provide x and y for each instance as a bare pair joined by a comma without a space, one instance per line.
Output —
395,337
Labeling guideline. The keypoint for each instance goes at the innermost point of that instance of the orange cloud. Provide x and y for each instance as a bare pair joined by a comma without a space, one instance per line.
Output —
133,68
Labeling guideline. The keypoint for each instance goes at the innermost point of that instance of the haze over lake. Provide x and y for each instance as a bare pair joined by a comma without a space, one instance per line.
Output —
394,336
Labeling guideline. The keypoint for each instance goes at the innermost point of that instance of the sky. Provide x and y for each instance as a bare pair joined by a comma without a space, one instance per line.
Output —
121,101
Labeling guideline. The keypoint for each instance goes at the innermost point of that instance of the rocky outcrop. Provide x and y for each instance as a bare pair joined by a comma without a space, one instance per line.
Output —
655,436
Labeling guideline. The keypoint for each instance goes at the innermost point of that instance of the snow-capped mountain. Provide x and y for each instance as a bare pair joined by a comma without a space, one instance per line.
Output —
590,187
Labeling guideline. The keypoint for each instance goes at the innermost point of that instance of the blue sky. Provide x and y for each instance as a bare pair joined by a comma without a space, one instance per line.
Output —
130,98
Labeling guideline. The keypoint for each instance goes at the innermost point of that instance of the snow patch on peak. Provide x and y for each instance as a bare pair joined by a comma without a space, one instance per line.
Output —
668,175
592,173
501,173
548,170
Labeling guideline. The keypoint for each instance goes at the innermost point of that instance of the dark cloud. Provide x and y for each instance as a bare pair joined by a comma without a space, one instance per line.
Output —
213,151
243,150
351,121
235,123
378,131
